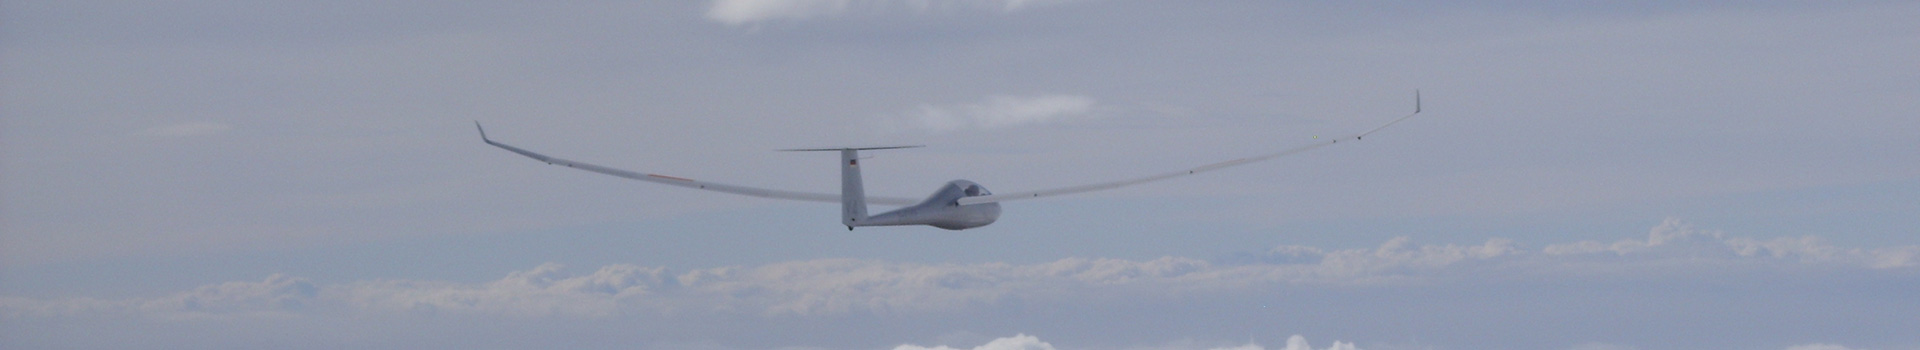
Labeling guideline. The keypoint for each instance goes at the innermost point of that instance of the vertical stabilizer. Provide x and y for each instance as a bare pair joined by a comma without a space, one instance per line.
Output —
853,195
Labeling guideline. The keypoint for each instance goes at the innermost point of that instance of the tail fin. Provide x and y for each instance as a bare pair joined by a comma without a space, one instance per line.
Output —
853,194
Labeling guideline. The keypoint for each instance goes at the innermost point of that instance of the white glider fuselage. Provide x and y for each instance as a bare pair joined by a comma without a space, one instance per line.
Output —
942,209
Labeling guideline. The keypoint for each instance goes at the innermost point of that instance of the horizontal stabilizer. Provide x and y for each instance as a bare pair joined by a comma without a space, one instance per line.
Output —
848,148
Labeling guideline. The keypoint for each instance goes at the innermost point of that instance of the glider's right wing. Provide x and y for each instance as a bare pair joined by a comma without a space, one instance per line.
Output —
1196,170
689,183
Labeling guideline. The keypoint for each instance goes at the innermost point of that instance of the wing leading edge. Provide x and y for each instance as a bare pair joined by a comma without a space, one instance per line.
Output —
1196,170
689,183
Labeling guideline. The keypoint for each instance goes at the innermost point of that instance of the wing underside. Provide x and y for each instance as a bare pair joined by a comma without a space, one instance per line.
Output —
690,183
1135,181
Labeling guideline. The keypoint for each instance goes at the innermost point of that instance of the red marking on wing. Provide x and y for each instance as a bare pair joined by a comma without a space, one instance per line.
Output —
670,177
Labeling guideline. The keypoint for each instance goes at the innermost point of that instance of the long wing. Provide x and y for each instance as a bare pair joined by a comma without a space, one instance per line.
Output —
689,183
1196,170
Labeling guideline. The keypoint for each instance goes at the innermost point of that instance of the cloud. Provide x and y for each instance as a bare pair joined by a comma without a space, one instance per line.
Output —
843,286
277,295
1601,346
1396,255
999,112
1818,346
1674,237
1298,342
812,287
1028,342
541,291
743,11
186,130
1016,342
734,12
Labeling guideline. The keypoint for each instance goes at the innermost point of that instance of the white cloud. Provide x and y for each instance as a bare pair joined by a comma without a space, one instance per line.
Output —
1396,255
745,11
1674,237
1671,231
1818,346
829,286
1298,342
1601,346
742,11
1017,342
1249,346
277,295
999,112
841,286
186,130
1028,342
541,291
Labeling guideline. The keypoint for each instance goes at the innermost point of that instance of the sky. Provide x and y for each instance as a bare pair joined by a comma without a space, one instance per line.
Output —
1588,175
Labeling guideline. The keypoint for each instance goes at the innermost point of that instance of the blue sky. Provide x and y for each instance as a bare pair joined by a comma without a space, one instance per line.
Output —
1623,175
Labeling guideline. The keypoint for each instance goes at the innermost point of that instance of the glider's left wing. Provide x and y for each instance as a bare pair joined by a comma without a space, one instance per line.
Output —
689,183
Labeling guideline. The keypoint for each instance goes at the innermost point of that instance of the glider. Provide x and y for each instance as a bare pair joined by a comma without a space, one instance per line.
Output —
957,205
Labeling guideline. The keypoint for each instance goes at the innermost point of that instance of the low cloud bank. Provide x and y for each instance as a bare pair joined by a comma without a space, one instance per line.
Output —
1017,342
1818,346
1676,238
278,295
1028,342
736,12
997,112
840,286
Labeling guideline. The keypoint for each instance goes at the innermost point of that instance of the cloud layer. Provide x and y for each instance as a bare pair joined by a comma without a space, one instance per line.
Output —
278,295
1818,346
1028,342
851,286
748,11
999,112
1675,276
1016,342
1676,238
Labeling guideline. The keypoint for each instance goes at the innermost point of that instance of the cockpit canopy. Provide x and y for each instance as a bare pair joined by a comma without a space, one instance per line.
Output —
976,190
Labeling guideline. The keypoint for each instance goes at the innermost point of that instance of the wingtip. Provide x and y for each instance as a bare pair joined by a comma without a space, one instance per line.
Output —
483,131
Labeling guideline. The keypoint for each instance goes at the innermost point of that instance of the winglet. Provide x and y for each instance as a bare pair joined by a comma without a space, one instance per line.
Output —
483,131
1416,111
